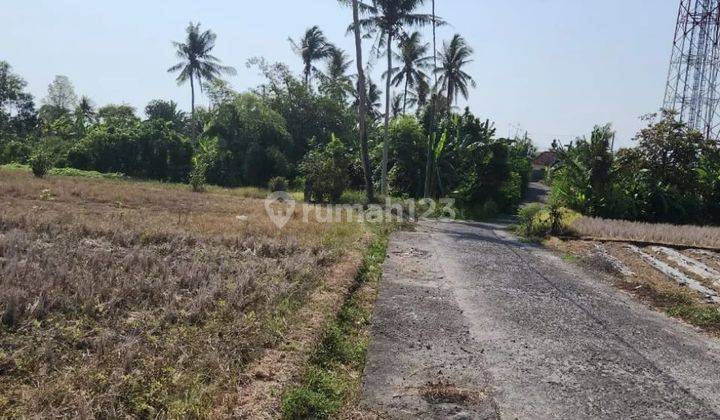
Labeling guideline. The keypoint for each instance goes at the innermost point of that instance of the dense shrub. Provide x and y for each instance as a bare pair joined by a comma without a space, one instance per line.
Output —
408,141
278,184
40,164
198,176
250,141
14,150
148,149
529,223
325,172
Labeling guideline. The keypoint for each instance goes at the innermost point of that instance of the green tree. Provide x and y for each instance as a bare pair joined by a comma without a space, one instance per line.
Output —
325,172
432,129
85,115
406,156
198,64
117,115
219,91
167,111
414,60
252,142
389,18
17,108
583,179
453,79
312,47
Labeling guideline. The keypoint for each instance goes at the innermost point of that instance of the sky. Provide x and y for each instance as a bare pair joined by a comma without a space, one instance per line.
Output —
553,68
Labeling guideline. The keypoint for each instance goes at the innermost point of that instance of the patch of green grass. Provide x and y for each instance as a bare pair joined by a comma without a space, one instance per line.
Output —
701,316
67,172
333,376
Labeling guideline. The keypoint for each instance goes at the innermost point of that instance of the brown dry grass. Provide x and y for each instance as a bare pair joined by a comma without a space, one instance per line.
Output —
139,299
663,234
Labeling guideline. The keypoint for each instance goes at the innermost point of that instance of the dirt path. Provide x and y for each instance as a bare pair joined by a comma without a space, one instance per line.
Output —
470,323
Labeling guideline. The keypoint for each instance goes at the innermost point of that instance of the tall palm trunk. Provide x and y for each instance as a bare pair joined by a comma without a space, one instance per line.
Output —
405,97
431,145
192,106
386,145
362,104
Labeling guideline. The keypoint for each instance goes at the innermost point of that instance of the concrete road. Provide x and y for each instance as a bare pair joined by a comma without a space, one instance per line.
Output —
471,323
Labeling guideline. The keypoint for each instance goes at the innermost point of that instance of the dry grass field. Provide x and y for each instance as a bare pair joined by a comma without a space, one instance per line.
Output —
657,233
138,299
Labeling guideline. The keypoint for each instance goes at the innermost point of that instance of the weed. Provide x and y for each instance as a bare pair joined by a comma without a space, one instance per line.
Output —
40,164
332,379
707,317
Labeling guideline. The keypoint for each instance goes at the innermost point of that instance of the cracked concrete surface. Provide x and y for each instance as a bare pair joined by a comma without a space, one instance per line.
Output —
528,334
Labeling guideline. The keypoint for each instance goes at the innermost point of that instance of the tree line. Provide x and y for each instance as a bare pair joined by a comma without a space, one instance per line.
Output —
671,175
323,131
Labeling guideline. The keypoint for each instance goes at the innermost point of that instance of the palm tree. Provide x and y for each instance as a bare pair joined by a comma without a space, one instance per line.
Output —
373,97
389,18
414,60
313,46
418,97
396,105
85,111
197,63
428,162
336,79
453,79
362,103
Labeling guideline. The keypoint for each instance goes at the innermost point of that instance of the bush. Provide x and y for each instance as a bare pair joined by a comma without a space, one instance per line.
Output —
325,172
198,177
278,184
40,164
529,223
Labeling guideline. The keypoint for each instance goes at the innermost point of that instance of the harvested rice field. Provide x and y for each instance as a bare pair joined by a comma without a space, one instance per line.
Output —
123,298
683,282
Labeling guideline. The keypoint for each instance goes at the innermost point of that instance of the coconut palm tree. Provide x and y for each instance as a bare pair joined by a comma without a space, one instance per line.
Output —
414,59
428,162
335,81
418,97
453,80
197,63
396,105
313,46
389,18
372,100
85,111
362,102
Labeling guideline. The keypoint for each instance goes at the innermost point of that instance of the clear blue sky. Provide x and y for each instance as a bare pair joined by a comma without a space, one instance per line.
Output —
553,67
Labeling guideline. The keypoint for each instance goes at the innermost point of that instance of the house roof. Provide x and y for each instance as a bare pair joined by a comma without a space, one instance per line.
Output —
547,158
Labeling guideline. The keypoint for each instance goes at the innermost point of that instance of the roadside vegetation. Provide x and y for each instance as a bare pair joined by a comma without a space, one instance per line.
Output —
331,384
672,175
615,210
